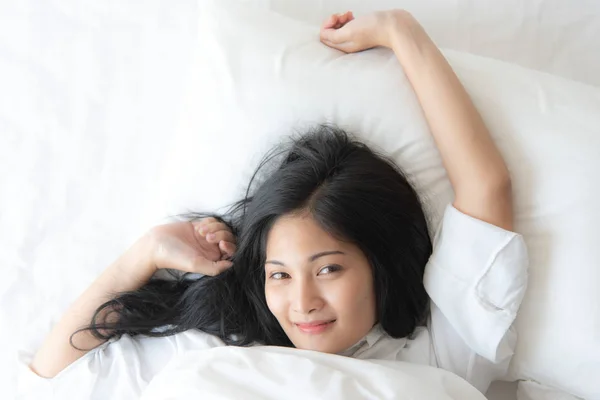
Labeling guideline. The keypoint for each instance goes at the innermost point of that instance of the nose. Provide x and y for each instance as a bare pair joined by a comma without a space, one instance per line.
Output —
306,297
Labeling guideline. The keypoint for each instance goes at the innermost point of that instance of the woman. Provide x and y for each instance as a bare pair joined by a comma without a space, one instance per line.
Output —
333,252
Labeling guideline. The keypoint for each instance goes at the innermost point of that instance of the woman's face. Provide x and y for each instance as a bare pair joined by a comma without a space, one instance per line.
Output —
320,289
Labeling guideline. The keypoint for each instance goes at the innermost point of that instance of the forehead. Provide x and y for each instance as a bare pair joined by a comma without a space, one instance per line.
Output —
302,234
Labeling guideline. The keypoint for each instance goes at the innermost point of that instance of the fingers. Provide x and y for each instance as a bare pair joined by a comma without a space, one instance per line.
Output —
201,225
227,248
343,19
332,36
219,233
211,227
336,21
330,22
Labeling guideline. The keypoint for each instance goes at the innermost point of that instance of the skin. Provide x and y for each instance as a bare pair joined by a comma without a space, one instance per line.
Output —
475,167
304,284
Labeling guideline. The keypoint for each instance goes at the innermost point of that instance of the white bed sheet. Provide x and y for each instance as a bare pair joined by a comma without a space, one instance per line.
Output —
90,93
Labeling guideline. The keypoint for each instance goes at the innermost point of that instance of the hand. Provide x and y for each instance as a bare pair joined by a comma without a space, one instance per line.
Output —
199,247
346,33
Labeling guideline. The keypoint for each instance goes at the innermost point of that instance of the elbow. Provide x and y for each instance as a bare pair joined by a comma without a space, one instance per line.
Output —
498,208
501,186
489,187
490,184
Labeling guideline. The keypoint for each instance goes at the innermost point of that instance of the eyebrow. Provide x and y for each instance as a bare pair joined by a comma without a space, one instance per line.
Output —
310,259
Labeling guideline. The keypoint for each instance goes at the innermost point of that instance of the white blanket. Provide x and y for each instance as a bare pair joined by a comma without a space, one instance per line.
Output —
283,373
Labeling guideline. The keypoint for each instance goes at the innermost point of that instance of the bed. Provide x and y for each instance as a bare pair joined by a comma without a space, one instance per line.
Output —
92,95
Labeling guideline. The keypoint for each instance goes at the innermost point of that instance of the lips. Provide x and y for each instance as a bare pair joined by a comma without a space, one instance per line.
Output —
315,327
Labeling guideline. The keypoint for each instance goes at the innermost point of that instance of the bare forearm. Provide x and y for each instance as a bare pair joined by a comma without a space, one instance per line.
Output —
128,272
474,165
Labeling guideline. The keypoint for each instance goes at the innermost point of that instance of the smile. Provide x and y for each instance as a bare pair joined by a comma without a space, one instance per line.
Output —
315,327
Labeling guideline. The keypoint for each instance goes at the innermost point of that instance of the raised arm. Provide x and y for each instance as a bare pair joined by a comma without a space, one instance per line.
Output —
474,165
198,247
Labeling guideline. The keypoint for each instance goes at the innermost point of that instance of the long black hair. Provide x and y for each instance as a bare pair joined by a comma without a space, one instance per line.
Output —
352,192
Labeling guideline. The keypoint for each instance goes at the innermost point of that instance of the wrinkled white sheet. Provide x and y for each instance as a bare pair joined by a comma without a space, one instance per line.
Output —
90,93
283,373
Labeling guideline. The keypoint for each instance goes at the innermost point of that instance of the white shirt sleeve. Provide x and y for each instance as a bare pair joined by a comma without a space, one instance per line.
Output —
476,278
118,369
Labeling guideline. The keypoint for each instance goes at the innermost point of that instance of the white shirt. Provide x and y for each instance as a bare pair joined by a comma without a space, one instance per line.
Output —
476,278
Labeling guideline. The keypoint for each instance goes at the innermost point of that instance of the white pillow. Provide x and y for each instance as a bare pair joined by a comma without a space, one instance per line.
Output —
260,76
541,35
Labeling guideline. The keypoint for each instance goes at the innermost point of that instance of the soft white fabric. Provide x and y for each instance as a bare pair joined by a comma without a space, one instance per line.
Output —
276,373
530,390
117,369
87,115
468,254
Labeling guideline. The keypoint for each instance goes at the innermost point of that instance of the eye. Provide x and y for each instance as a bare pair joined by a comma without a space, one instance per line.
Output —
329,269
279,276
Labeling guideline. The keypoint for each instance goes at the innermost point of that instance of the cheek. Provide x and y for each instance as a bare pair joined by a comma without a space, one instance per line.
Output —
354,295
275,301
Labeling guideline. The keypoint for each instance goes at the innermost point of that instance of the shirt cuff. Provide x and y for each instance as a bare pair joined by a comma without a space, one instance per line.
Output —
29,384
477,277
